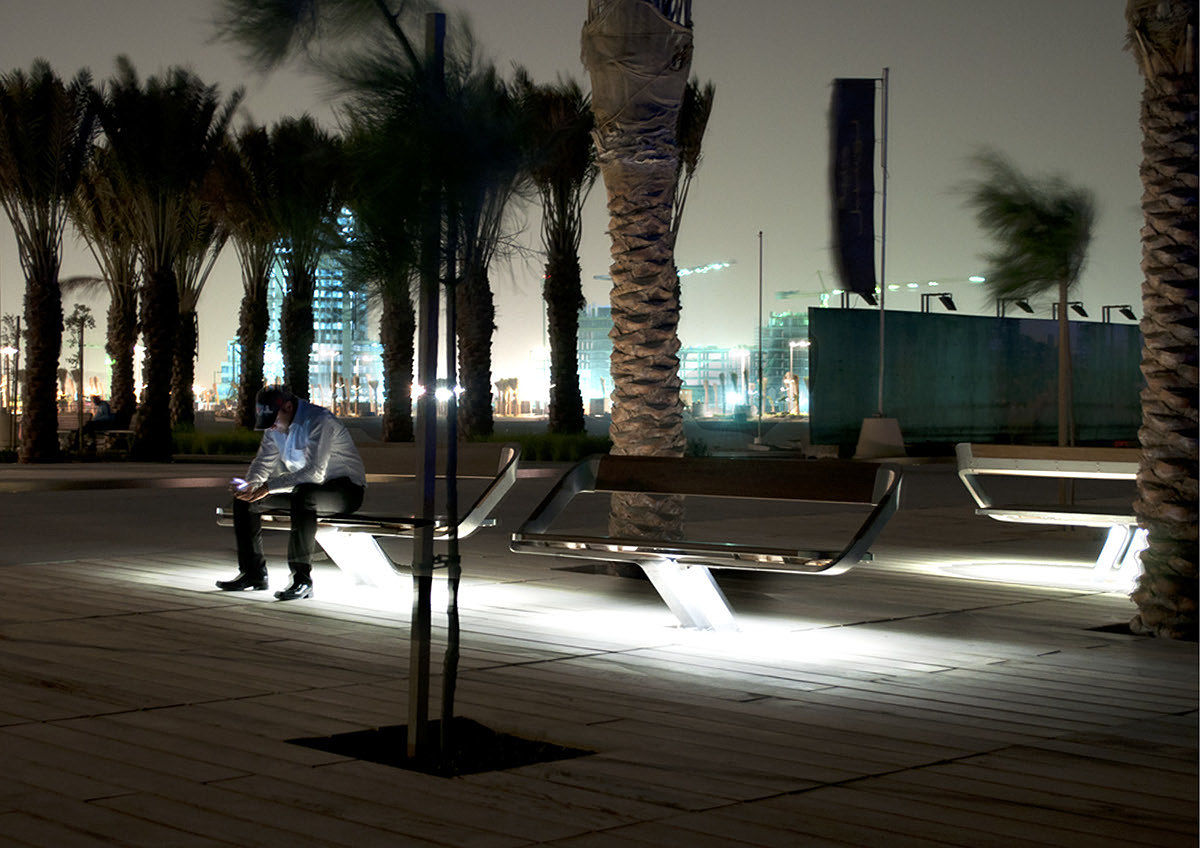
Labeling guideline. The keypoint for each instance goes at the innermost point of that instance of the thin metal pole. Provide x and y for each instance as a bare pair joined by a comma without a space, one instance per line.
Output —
453,559
883,163
758,439
426,431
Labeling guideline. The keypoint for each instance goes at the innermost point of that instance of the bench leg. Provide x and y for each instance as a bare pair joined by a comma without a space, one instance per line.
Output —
692,594
359,555
1131,564
1120,553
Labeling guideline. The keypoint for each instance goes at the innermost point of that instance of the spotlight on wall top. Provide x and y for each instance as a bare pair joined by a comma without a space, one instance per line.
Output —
1124,309
946,299
1076,307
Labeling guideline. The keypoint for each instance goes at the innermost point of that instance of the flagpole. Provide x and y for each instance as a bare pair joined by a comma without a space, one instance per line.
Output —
758,439
883,235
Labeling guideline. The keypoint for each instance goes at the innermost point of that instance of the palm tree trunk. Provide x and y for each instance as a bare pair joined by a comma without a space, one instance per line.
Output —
160,319
396,331
1166,594
183,374
253,322
43,341
121,336
1066,418
564,299
296,336
639,61
476,322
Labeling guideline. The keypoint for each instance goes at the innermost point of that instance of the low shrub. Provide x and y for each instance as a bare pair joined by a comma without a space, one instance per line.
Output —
554,447
186,440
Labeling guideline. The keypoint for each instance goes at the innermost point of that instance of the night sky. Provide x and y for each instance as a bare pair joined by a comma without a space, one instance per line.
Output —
1046,82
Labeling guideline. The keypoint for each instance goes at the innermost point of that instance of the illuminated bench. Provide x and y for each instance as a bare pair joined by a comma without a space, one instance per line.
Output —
679,569
350,540
1125,540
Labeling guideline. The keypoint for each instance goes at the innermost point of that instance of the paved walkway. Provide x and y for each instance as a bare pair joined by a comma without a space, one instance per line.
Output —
904,703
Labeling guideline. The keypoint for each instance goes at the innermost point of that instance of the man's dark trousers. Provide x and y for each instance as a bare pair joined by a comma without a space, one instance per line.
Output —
304,503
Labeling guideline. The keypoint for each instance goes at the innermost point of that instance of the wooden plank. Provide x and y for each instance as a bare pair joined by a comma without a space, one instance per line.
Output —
22,828
741,477
35,777
1090,772
920,819
1048,452
727,829
101,826
371,789
255,822
1111,802
974,797
803,819
673,833
643,782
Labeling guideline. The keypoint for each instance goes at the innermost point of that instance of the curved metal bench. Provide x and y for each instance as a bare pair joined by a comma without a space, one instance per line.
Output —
1125,540
350,540
679,569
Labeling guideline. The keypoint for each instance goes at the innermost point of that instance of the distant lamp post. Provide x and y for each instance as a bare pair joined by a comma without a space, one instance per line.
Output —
1124,309
945,298
1076,307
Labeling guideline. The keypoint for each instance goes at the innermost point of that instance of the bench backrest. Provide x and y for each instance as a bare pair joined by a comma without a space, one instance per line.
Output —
1048,452
825,481
390,460
1046,461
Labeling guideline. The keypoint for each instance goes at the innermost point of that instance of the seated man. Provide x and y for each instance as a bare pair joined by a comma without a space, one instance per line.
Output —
102,419
102,416
307,464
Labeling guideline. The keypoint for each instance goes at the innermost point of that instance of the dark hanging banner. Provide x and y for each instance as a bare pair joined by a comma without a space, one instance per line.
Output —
853,184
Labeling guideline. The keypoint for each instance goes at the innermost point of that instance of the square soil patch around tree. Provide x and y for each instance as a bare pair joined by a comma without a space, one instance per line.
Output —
473,748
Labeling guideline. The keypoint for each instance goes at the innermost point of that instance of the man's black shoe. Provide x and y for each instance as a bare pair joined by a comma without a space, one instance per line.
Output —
241,583
295,592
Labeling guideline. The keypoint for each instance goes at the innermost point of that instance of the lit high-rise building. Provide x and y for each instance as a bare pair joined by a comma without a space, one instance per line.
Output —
345,366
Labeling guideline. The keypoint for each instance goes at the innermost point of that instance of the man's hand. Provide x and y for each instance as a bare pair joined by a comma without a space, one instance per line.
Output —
250,495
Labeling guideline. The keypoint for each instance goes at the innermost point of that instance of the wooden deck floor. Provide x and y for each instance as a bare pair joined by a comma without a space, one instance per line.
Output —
893,705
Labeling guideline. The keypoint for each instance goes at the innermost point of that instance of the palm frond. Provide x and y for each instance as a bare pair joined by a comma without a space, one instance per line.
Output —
46,130
1041,226
694,112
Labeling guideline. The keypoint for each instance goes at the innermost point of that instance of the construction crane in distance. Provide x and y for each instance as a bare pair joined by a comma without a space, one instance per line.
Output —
686,272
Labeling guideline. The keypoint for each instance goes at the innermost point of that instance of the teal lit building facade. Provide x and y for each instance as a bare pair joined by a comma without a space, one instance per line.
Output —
346,365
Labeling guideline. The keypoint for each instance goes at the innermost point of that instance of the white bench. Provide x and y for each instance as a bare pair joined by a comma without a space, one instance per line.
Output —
351,540
1125,539
679,569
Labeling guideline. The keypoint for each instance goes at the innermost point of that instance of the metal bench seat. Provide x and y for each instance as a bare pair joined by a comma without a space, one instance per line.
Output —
350,539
